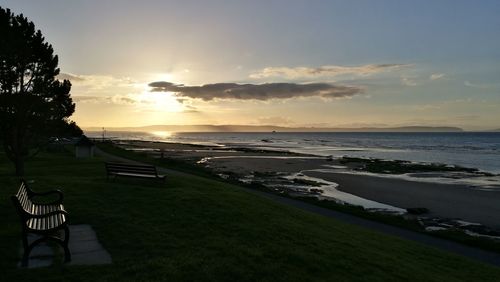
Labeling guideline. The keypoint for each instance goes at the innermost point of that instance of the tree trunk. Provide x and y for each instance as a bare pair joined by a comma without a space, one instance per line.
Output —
19,163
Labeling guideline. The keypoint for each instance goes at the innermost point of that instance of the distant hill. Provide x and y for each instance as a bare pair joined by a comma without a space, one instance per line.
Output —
270,128
489,130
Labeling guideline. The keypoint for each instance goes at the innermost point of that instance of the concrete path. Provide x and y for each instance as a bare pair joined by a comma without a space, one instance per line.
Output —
83,244
442,244
85,248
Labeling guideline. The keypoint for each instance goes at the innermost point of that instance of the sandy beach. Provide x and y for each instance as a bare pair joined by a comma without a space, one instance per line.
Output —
442,200
452,201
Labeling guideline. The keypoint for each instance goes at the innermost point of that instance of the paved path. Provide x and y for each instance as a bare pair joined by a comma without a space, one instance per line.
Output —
442,244
85,248
83,244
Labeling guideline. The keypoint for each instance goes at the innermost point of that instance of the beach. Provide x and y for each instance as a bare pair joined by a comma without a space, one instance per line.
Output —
316,176
442,200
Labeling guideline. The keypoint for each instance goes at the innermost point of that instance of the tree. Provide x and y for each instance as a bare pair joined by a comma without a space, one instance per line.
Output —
34,105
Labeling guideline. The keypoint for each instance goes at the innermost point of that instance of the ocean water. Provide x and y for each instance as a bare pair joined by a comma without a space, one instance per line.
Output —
469,149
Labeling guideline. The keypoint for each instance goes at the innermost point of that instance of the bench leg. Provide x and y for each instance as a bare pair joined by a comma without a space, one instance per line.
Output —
63,243
27,251
26,255
25,239
67,254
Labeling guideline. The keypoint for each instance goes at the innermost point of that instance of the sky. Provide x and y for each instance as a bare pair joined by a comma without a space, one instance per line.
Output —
288,63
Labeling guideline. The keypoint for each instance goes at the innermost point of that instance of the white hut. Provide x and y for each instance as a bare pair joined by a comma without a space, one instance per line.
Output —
84,148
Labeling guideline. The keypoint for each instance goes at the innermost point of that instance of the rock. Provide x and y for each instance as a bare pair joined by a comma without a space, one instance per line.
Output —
316,191
417,210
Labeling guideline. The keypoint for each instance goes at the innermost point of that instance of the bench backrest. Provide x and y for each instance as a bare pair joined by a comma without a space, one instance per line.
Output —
130,168
22,200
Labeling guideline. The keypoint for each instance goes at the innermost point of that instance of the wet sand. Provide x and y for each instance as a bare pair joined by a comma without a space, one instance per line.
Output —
443,200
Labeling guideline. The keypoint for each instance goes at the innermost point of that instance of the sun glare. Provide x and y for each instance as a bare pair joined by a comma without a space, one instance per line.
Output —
162,134
162,101
165,76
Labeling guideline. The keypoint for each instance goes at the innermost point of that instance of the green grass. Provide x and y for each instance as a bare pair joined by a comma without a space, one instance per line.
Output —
395,220
195,228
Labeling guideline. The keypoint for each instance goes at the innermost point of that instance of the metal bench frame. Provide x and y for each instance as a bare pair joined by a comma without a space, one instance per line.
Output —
45,219
132,170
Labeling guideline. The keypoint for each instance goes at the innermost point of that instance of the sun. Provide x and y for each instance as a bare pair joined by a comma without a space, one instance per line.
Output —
162,101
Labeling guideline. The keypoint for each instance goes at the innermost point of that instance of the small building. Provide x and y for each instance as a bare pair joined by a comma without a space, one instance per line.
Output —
84,148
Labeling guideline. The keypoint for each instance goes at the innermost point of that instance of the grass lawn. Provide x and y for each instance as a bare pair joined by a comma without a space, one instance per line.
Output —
196,228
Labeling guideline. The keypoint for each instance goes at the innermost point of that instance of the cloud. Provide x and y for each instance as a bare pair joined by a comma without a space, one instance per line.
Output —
475,85
104,89
70,76
261,92
88,99
408,81
467,117
190,109
309,72
426,107
436,76
274,120
98,82
115,99
120,100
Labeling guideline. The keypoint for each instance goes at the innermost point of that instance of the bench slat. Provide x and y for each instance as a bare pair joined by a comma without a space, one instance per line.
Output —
135,174
132,170
46,223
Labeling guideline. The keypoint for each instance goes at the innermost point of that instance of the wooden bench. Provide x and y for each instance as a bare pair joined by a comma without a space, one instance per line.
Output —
132,170
46,219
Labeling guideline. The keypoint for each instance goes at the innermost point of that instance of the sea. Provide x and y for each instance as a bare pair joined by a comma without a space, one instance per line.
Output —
479,150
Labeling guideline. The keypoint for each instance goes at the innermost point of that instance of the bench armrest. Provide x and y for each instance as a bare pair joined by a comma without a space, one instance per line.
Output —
32,194
59,200
48,214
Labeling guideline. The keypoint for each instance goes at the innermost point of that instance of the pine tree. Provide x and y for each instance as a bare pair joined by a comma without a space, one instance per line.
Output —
34,105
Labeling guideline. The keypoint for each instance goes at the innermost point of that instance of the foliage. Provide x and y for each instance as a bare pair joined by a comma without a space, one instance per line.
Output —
34,105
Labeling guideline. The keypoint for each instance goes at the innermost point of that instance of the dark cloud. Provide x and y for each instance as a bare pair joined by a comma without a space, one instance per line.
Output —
265,91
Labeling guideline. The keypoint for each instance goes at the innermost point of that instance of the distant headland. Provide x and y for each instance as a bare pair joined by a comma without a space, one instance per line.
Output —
271,128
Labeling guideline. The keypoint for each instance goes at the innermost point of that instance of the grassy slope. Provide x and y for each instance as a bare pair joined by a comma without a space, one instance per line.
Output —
194,228
457,236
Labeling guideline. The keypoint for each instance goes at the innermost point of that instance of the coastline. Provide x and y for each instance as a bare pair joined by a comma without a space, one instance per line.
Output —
287,172
473,150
